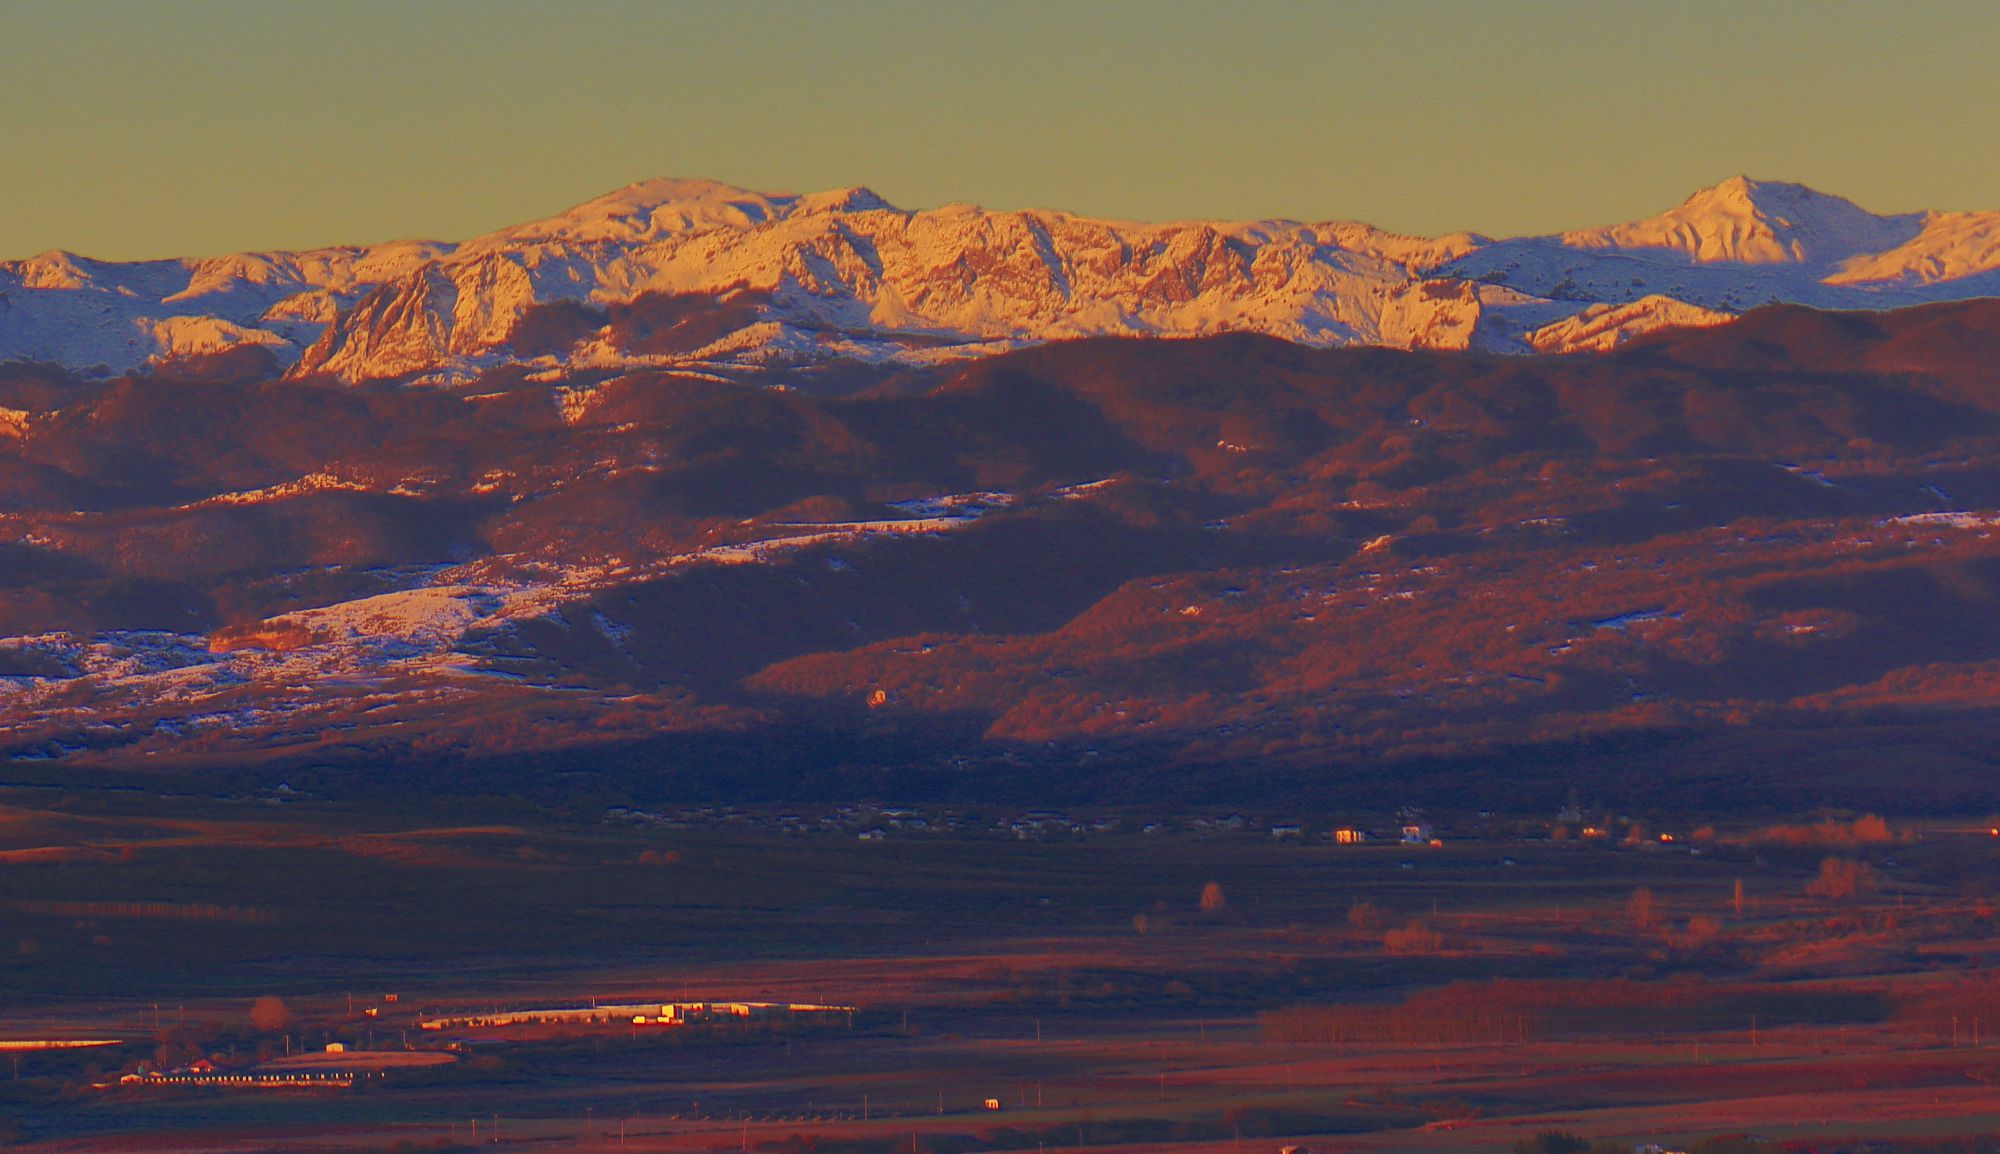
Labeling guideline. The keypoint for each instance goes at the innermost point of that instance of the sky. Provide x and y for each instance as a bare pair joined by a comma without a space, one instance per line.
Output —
195,127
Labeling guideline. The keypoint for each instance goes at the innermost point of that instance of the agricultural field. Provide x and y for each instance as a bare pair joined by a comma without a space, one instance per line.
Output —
1139,981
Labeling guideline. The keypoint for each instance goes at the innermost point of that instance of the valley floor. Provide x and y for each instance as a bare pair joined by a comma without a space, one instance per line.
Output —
1072,983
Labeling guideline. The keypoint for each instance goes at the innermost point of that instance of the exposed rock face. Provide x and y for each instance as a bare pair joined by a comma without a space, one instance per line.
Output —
275,636
399,328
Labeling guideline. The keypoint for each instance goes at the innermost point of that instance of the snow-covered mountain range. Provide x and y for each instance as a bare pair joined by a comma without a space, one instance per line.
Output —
844,274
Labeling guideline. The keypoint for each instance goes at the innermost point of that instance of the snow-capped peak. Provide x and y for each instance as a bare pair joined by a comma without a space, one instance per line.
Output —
856,199
54,269
649,210
1745,221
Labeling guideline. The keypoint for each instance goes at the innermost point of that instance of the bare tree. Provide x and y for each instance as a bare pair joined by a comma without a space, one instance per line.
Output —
1841,878
1639,907
270,1014
1413,938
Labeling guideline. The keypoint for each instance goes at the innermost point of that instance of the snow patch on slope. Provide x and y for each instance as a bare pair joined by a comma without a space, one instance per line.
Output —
1952,246
194,336
1603,327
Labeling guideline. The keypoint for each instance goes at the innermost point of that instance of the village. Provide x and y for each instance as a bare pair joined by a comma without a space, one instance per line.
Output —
374,1040
669,1014
1409,826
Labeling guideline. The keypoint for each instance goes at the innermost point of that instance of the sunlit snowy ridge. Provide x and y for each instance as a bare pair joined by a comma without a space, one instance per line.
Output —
844,275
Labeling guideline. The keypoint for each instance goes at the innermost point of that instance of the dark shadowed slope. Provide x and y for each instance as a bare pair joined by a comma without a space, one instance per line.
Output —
1754,562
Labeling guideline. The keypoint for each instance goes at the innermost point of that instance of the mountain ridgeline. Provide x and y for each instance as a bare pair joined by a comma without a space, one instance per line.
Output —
1740,565
700,276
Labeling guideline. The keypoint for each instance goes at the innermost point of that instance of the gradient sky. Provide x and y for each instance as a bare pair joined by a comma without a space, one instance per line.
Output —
199,126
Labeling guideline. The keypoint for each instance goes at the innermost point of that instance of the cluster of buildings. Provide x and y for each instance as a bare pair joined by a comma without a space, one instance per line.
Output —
880,822
203,1072
1409,827
646,1014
